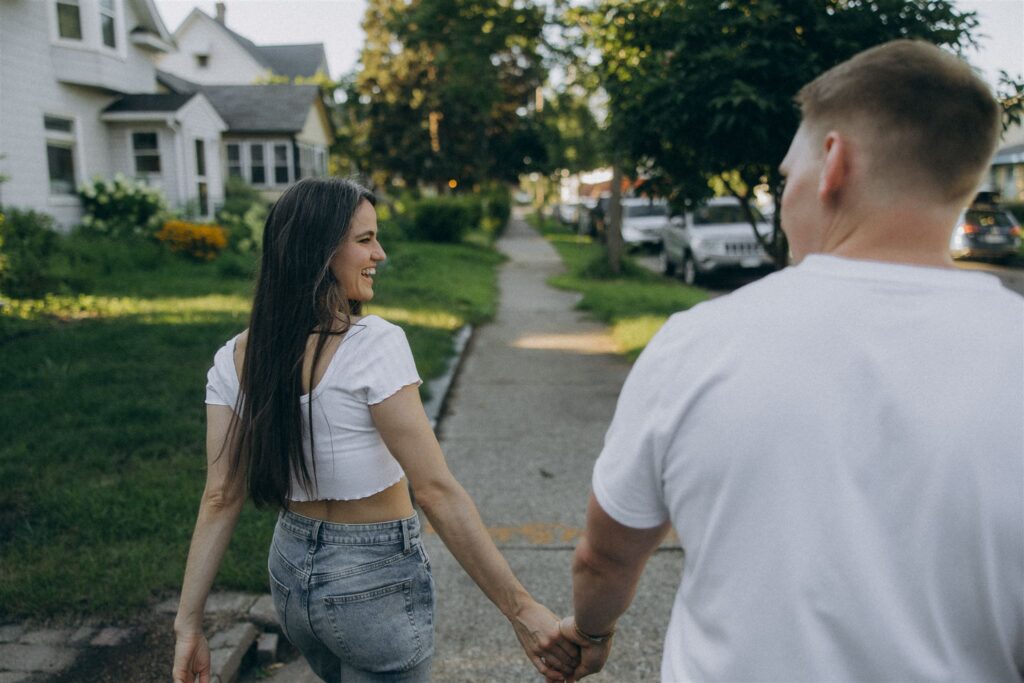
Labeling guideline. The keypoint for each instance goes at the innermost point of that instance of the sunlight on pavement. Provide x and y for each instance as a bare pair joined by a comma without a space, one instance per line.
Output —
585,342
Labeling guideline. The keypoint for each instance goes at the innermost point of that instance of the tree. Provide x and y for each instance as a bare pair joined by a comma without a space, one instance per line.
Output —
703,89
446,90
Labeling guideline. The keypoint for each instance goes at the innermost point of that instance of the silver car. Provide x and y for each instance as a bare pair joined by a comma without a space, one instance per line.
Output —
714,237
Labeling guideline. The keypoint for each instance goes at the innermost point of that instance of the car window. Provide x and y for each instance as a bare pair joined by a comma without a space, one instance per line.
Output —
644,210
988,219
710,215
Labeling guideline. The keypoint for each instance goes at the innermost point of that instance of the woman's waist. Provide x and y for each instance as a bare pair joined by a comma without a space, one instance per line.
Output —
390,505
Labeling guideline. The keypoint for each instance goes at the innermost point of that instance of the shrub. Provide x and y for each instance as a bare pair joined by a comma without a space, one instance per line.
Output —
243,215
28,241
497,204
201,242
121,207
442,219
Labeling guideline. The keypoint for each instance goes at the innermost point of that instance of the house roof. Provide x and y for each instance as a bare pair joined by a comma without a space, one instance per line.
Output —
1014,154
263,108
154,103
176,84
285,60
294,60
150,20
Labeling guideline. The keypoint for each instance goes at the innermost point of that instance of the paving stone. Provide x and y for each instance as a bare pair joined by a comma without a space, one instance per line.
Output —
266,648
11,632
111,637
244,633
226,661
169,606
14,677
263,612
41,658
47,636
235,603
82,635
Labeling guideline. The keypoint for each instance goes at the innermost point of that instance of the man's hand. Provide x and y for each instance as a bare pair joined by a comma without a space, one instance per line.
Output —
592,657
538,631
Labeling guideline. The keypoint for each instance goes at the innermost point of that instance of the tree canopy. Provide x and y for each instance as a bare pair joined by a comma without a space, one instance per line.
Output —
447,91
703,89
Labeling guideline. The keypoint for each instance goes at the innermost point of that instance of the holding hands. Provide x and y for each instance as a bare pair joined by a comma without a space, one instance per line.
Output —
539,632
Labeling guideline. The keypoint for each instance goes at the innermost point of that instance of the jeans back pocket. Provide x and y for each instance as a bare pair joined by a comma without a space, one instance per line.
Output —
387,629
280,593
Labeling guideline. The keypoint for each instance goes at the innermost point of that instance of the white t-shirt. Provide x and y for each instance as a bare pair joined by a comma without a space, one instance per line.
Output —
840,448
372,362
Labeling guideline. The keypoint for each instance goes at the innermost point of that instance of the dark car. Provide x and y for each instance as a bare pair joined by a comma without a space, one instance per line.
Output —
986,232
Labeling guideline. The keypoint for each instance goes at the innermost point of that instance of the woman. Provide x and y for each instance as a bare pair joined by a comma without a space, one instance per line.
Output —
315,409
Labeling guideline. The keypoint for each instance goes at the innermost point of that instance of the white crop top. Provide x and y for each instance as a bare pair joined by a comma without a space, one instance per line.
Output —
372,362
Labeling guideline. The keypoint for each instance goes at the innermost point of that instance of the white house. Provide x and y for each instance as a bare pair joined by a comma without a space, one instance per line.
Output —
210,53
1008,165
79,98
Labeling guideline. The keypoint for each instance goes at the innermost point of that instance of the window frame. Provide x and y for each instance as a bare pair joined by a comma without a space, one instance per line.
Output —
62,139
113,14
68,40
146,153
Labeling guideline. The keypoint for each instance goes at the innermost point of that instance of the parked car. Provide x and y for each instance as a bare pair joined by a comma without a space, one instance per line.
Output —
643,221
567,213
714,237
986,231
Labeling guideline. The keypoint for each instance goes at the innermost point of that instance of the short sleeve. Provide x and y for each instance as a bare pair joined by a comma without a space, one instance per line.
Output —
222,380
627,478
393,366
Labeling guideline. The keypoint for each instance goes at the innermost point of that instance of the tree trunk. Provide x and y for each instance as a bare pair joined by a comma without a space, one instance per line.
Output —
613,226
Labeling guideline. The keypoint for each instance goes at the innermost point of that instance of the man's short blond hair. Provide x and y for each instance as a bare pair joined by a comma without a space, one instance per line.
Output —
935,123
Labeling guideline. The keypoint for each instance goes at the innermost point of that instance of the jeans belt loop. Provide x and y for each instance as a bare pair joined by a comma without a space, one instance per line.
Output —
406,537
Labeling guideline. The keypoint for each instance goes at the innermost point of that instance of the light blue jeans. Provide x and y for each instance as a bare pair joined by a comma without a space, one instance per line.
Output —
357,600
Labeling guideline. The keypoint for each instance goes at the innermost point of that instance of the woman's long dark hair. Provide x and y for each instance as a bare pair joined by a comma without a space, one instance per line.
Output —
296,295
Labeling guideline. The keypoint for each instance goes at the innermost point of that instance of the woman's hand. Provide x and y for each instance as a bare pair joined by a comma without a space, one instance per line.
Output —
191,658
537,629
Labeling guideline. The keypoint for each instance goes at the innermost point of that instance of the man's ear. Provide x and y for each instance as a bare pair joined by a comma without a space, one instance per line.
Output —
835,169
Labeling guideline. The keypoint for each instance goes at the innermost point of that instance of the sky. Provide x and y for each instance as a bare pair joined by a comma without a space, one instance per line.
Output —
336,24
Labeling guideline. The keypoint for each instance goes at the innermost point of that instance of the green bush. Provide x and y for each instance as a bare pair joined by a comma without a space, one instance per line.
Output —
121,207
27,241
243,216
443,219
497,208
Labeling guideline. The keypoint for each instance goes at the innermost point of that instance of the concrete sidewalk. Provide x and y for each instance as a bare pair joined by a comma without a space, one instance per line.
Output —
524,422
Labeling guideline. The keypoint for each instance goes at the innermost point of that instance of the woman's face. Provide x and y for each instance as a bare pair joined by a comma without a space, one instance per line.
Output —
355,263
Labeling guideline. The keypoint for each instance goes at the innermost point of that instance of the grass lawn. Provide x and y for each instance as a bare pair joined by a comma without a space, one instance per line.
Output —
102,416
635,304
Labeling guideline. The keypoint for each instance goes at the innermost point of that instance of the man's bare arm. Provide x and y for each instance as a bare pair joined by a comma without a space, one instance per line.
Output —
606,569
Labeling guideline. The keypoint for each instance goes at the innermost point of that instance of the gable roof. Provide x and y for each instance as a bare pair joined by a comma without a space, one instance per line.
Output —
294,60
160,102
150,21
263,108
285,60
176,84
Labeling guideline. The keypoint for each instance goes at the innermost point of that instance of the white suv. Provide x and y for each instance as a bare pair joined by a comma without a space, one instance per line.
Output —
713,237
643,221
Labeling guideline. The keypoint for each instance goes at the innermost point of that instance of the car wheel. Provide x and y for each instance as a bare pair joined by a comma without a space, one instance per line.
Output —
691,275
668,267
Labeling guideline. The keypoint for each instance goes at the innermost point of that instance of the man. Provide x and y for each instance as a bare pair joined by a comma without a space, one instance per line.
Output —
840,446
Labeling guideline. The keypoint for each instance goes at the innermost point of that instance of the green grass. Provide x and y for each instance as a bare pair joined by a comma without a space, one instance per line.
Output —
635,304
101,408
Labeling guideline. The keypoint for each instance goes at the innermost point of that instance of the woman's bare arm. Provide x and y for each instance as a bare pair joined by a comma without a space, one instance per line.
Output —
406,431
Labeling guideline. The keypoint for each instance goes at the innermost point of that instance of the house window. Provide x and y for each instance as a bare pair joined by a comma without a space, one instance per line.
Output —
108,23
200,158
202,61
234,153
305,161
321,163
60,154
69,20
146,148
201,188
281,164
257,166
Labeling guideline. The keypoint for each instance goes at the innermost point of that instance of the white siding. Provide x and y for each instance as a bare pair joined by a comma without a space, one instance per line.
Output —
229,63
30,90
199,121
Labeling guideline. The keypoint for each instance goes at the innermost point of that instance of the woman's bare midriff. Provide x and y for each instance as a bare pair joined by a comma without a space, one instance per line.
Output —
390,504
